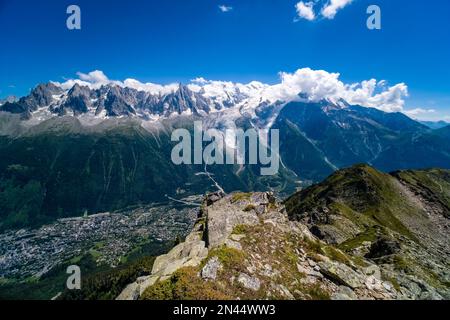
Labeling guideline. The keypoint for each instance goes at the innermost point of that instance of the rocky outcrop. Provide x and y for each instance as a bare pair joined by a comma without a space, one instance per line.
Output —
246,247
217,220
189,253
225,215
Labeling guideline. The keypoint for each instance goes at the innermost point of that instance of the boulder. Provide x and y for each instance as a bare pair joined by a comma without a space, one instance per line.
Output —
251,283
383,247
341,274
308,271
372,283
344,293
373,270
213,198
233,244
210,270
186,254
223,217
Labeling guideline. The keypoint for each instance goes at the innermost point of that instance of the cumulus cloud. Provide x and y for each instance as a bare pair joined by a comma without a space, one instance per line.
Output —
96,79
94,76
330,10
225,8
306,10
317,85
314,86
303,84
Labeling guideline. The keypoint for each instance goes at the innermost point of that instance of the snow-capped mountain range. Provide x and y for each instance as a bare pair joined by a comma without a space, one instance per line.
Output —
94,95
324,124
110,100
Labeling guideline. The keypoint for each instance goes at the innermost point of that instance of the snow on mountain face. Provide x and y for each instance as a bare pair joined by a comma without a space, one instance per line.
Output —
94,95
112,100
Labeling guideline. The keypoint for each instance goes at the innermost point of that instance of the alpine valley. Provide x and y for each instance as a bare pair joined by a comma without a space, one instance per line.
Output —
86,178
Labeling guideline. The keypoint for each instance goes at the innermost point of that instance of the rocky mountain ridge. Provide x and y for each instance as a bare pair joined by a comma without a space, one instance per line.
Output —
110,100
248,246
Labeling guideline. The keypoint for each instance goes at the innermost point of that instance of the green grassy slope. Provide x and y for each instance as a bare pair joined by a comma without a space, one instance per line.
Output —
354,201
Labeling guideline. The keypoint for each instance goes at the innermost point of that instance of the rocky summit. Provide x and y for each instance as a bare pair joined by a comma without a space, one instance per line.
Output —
330,241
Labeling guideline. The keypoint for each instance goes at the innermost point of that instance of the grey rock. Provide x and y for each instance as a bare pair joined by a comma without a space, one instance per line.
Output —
223,217
213,198
249,282
431,295
142,279
268,271
387,286
312,263
186,254
285,292
383,247
344,293
372,283
342,274
260,210
260,198
308,271
210,270
148,282
233,244
131,292
373,270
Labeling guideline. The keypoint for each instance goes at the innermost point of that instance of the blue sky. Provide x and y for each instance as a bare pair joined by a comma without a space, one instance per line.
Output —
178,40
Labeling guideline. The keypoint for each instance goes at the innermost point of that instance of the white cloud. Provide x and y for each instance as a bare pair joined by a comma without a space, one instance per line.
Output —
96,79
329,8
333,6
225,8
306,10
319,85
312,85
388,99
94,76
316,85
418,111
425,114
